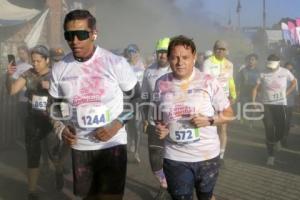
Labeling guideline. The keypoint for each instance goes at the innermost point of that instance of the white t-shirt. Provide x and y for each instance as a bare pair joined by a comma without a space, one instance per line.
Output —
94,89
151,74
179,101
139,72
274,86
20,69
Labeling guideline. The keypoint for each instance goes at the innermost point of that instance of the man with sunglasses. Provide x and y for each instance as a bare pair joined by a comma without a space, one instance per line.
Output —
221,68
91,83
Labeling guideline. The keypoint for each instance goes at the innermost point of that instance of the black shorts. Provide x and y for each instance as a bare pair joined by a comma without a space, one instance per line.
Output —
100,171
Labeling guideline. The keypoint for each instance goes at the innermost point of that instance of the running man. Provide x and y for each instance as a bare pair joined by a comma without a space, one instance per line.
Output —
155,145
134,127
221,68
275,84
192,148
91,81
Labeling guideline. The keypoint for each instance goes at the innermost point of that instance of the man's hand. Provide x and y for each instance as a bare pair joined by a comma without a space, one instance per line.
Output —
200,121
161,129
107,132
11,69
69,135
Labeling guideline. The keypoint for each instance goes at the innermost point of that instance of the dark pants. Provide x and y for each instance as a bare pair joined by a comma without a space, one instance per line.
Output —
38,128
289,114
183,177
156,149
275,123
99,172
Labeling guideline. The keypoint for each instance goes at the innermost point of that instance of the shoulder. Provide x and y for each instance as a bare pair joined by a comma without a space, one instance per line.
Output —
110,58
163,82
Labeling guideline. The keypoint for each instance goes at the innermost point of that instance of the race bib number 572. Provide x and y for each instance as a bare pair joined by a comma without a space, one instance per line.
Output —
180,133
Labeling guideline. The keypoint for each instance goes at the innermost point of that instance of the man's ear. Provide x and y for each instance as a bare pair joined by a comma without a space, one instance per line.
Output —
95,34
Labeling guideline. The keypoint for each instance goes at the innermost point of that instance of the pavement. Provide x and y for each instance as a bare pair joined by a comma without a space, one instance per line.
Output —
244,177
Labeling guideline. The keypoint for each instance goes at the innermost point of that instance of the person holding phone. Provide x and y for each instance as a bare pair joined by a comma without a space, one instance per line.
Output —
16,68
37,123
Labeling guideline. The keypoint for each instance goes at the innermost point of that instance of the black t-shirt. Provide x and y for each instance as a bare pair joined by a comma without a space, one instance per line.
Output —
37,95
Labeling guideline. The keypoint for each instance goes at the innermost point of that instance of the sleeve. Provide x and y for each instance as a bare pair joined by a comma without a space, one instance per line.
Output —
290,76
259,78
125,75
24,75
54,85
232,88
219,99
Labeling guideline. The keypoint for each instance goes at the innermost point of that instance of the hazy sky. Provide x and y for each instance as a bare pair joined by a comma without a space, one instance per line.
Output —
251,12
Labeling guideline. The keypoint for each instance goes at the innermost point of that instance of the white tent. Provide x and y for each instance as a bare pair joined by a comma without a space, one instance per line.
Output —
34,35
12,15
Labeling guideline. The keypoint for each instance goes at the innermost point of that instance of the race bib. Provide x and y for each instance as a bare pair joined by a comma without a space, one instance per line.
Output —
275,96
183,132
91,116
39,102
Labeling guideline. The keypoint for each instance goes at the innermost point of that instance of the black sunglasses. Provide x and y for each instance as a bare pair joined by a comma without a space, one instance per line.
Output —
80,34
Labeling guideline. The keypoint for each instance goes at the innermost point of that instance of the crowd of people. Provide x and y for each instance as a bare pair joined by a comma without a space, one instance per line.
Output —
91,101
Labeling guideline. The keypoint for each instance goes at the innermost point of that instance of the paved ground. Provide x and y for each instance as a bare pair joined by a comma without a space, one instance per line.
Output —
245,176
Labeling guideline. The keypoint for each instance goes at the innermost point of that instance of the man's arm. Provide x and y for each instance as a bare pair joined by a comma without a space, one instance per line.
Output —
130,98
291,87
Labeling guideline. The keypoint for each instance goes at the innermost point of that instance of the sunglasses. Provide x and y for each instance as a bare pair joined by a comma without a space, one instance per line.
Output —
80,34
221,49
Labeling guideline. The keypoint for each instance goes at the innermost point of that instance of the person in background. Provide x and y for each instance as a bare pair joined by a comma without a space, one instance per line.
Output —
134,126
22,65
246,81
56,55
188,128
275,84
155,145
37,124
290,105
200,60
221,68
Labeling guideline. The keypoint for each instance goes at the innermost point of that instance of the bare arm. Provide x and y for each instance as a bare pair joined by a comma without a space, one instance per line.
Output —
291,87
254,92
13,87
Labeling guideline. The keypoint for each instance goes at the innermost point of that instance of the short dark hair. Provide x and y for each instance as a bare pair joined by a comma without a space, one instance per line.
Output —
252,55
273,57
181,40
80,15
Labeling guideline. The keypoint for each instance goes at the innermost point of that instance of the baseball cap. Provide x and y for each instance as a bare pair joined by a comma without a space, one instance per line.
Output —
162,44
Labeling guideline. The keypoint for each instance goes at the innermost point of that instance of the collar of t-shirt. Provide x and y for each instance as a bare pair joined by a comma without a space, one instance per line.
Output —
184,84
88,58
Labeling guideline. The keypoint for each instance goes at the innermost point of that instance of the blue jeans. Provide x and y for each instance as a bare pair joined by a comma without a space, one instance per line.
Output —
182,177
